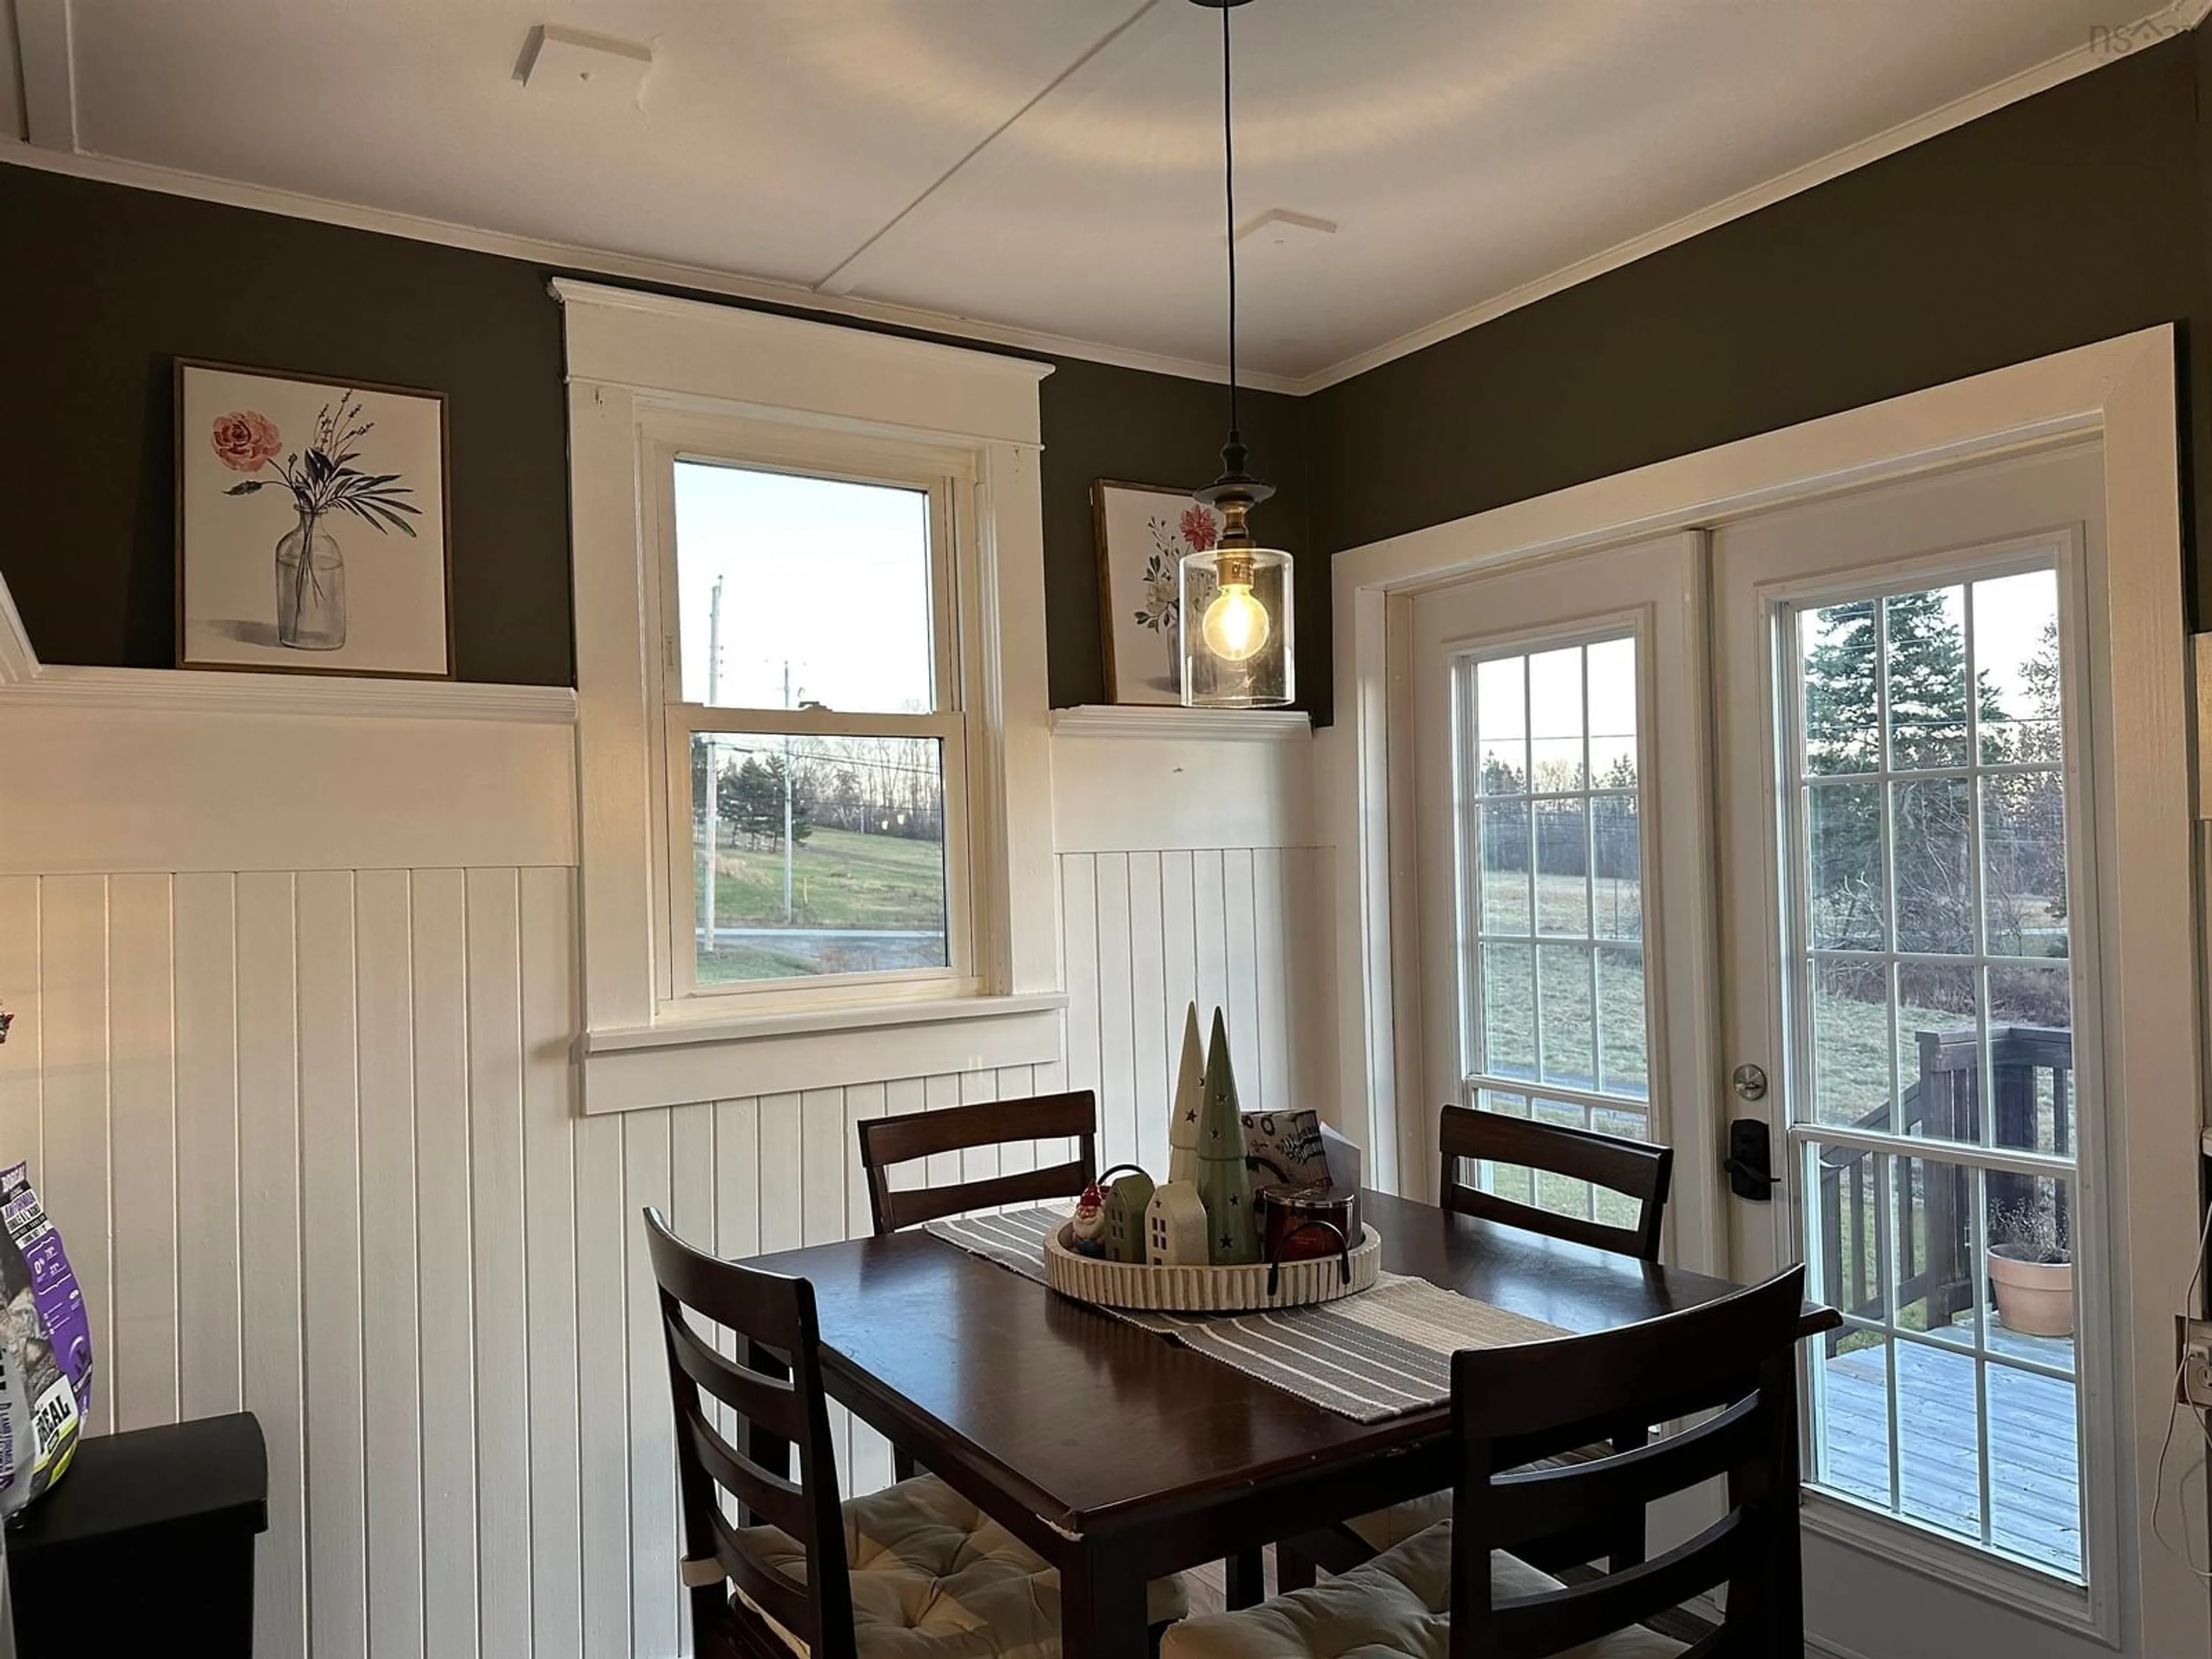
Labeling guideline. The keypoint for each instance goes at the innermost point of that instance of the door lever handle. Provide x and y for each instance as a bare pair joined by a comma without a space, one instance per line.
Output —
1750,1162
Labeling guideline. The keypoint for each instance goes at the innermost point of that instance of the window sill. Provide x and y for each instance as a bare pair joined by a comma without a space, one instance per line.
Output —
723,1057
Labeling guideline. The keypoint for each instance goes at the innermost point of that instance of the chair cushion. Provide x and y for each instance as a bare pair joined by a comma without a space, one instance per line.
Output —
1396,1606
935,1578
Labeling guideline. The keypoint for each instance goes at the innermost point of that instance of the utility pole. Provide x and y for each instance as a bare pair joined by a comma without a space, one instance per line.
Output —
712,827
786,800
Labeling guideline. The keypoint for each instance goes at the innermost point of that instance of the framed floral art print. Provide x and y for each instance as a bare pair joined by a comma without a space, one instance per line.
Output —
311,532
1144,531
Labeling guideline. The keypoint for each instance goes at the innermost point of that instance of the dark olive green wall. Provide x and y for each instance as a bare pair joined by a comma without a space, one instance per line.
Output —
2069,217
102,287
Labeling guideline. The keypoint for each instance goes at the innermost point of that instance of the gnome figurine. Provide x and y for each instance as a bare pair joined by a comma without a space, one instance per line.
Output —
1086,1234
1190,1102
1224,1182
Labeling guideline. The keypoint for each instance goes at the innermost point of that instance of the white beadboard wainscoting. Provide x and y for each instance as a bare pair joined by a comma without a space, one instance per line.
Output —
311,1133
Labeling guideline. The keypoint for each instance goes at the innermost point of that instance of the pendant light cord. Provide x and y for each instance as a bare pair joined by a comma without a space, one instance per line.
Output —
1229,192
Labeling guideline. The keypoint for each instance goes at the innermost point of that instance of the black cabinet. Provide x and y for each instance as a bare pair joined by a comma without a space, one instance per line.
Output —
148,1538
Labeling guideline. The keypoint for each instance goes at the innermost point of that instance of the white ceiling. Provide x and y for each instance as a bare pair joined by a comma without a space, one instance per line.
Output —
1053,165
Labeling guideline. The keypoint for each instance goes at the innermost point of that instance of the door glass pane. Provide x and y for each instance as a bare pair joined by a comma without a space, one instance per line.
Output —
1501,707
1508,1025
1555,721
1931,836
1934,1025
1556,916
795,591
1562,867
1566,1028
1848,898
1505,895
1616,868
1842,697
826,854
1924,657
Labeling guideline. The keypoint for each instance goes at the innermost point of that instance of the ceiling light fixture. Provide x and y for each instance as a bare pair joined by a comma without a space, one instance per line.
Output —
1238,654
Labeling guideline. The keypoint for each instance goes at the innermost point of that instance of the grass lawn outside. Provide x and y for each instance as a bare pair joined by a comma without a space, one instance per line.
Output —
1851,1037
859,904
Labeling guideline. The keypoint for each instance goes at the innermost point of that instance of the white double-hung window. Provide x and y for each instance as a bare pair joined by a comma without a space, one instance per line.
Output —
813,727
815,717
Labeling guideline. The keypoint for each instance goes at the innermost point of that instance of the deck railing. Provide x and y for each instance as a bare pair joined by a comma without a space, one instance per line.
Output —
1943,1104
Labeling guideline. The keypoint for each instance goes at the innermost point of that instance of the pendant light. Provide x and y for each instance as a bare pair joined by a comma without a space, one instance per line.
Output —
1237,626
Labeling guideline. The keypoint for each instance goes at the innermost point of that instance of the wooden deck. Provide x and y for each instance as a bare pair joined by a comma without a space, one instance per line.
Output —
2035,1479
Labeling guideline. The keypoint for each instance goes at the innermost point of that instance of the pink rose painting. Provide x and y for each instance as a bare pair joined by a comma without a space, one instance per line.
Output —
243,441
312,539
1146,533
311,594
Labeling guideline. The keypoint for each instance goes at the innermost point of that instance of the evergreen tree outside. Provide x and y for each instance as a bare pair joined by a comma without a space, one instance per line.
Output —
1918,638
751,802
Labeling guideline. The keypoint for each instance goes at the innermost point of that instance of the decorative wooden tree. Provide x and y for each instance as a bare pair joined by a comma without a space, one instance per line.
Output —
1224,1182
1190,1102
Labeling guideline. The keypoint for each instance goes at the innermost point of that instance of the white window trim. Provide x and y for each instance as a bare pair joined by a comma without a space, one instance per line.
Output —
635,361
2121,391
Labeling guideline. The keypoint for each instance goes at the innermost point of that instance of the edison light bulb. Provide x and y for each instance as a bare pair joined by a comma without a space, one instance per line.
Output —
1236,625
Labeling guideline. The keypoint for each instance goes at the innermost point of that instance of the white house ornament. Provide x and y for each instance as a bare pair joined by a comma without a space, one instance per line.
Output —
1128,1193
1175,1227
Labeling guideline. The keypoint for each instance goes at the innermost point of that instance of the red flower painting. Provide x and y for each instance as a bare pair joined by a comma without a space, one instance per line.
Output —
1199,528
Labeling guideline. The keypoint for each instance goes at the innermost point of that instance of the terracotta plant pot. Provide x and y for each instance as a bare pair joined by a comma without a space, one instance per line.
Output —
2035,1298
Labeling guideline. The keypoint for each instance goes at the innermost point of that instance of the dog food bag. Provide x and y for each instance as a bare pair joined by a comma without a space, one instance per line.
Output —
46,1346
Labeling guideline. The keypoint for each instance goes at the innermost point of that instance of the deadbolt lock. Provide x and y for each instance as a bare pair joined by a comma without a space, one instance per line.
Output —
1750,1082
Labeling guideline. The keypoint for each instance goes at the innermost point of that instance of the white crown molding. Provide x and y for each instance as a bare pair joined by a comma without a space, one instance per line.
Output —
25,682
1167,721
703,279
750,326
2177,18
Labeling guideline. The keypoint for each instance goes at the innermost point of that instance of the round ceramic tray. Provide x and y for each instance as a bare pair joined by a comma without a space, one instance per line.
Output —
1207,1289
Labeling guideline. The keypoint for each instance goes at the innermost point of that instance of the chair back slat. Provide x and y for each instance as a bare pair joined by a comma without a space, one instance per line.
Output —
767,1401
769,1589
1547,1502
1561,1619
763,1495
1639,1172
774,1387
888,1142
1736,1357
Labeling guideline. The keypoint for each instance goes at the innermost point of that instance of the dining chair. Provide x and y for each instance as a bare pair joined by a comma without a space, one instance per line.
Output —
1640,1173
1460,1588
1636,1169
913,1568
886,1142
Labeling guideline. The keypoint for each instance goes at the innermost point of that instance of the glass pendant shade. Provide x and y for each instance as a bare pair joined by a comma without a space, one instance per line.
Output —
1239,635
1238,628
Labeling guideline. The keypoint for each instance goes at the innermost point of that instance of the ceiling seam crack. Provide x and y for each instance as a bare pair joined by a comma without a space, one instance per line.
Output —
826,283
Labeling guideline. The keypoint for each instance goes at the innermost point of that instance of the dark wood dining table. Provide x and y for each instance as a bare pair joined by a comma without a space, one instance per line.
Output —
1121,1456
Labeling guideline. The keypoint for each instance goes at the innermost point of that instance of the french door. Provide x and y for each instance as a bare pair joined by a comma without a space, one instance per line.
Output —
1785,820
1559,775
1909,928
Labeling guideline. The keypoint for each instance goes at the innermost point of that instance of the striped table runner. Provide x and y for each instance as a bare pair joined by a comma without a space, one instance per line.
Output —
1374,1356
